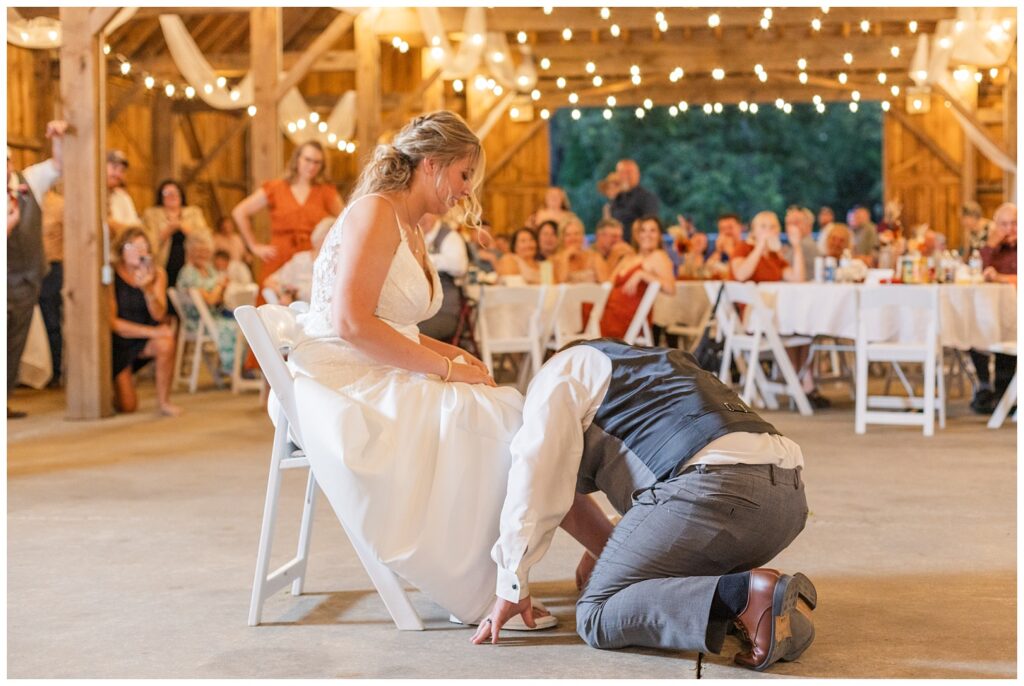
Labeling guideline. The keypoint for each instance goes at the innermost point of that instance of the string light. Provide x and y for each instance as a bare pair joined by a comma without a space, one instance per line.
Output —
673,111
350,147
885,105
535,95
768,13
611,101
235,95
106,46
958,26
301,124
820,107
993,72
615,30
708,109
639,112
895,90
576,115
605,13
718,108
683,106
207,88
560,82
480,82
848,57
803,77
598,81
514,112
824,10
545,114
221,82
816,24
753,108
945,43
545,63
548,10
521,37
648,103
882,78
894,51
714,20
842,77
977,76
291,127
125,68
458,86
918,104
523,81
566,33
314,117
816,99
498,57
853,107
787,108
743,106
912,26
322,127
573,98
865,26
765,23
855,96
779,102
635,79
590,67
607,114
150,82
659,17
190,92
663,26
497,90
801,64
251,109
477,39
718,73
762,76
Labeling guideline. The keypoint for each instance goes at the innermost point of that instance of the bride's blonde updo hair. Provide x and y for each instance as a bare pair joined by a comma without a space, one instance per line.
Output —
442,136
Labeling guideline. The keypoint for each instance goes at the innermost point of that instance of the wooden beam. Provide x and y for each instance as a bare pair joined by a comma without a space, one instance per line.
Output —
23,143
479,120
1010,125
516,146
292,28
237,63
126,99
144,12
265,42
162,133
969,116
240,126
368,88
397,116
926,140
337,28
99,17
87,324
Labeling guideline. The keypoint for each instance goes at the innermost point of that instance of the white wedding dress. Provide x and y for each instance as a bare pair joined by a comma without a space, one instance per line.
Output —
415,467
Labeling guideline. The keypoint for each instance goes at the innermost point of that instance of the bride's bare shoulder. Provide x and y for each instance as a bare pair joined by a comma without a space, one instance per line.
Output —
371,215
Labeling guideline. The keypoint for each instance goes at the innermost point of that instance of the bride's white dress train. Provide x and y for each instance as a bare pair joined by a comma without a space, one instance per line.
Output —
415,467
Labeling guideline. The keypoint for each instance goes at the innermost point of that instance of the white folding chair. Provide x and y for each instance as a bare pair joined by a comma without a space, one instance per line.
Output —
270,296
1009,398
204,346
567,323
693,329
209,328
509,321
895,303
639,330
272,332
748,338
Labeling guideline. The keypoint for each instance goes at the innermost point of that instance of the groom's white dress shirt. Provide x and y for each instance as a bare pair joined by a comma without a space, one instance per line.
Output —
560,406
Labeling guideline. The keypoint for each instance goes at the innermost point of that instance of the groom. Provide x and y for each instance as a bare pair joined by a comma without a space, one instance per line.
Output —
708,490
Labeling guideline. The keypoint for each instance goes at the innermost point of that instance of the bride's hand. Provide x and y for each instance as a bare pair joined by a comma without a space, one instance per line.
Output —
468,373
472,361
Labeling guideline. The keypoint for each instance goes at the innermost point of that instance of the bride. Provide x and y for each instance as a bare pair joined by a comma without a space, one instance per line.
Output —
408,436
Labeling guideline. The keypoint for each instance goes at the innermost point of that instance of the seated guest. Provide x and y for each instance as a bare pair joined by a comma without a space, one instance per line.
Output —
238,273
199,273
502,243
802,221
168,223
522,260
973,227
760,258
694,265
447,250
484,252
138,305
547,239
609,187
608,243
574,263
865,235
839,238
294,280
226,238
556,208
121,213
999,258
826,218
650,264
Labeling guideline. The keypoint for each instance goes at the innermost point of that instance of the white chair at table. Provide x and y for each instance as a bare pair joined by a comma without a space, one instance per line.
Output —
209,329
495,306
567,317
876,301
1009,398
204,347
673,304
270,296
639,330
272,332
748,339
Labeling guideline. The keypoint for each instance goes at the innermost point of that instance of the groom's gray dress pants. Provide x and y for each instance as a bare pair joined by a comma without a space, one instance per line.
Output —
654,583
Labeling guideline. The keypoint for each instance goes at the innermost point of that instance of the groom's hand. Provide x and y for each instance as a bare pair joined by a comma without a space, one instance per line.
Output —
502,612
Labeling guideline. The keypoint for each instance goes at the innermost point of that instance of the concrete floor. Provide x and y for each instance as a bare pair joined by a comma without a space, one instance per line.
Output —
131,548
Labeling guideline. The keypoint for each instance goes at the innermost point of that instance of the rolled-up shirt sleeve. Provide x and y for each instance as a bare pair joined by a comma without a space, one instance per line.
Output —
546,452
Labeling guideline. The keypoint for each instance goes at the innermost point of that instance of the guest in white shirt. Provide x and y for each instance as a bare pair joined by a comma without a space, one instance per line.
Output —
707,489
121,212
294,280
447,251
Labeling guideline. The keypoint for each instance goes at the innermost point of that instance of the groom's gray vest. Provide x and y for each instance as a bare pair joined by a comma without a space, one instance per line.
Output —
661,408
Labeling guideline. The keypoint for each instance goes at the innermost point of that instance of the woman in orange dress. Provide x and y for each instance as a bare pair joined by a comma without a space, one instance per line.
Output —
650,264
296,203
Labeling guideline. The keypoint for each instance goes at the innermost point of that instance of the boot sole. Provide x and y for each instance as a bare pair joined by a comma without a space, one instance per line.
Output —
788,591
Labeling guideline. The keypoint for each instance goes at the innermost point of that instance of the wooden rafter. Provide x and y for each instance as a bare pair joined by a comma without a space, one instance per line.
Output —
130,96
239,128
335,30
398,115
295,26
970,117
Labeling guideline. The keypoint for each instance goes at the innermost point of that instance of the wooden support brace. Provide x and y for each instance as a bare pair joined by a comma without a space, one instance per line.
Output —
516,146
337,28
926,140
969,116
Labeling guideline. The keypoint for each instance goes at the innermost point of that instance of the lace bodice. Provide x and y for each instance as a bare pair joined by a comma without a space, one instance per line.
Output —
405,298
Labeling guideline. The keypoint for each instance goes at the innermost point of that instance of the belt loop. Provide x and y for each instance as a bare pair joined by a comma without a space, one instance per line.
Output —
771,473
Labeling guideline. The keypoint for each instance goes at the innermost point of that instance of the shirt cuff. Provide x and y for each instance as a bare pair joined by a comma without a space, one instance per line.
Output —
510,587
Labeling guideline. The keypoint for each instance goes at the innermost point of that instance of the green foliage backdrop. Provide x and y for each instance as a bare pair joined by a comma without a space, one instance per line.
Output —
703,165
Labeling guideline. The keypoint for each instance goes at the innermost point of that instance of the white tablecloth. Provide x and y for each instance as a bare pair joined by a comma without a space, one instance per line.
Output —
970,316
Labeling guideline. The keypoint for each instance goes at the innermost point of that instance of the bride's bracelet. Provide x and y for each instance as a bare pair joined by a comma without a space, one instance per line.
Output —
448,376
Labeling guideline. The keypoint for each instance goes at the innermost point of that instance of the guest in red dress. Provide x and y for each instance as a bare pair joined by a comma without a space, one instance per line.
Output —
650,264
296,203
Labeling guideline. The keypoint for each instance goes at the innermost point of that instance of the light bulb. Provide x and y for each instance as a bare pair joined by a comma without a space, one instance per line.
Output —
314,117
885,105
718,108
842,77
590,67
865,26
545,114
597,81
605,13
853,107
714,20
169,90
614,30
566,33
894,51
673,111
683,106
753,108
521,37
882,78
816,24
855,95
560,82
125,68
762,76
576,115
801,64
648,103
848,57
718,73
912,26
573,98
820,107
895,90
640,113
535,94
803,77
607,114
221,82
150,82
635,79
190,92
765,23
322,127
458,86
514,112
768,13
251,109
743,106
708,109
545,63
611,101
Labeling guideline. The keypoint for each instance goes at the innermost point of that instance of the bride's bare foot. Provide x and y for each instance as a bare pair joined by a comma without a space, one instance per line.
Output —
169,410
